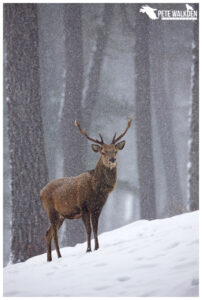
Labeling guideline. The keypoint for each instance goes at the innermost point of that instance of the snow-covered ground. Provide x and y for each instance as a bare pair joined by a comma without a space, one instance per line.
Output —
145,258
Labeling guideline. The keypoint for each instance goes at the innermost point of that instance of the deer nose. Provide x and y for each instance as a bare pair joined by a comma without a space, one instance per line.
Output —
112,159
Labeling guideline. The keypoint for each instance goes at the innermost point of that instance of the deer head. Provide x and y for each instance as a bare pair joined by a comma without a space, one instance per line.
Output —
108,152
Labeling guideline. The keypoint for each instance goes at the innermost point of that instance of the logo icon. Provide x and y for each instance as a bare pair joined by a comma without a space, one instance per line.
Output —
149,11
189,7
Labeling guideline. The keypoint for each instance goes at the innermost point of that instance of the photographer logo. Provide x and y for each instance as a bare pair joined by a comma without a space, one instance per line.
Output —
155,14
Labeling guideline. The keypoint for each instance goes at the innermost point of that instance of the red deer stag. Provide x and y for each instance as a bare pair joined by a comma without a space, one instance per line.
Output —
82,196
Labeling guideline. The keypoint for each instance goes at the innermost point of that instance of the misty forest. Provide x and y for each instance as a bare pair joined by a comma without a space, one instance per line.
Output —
99,64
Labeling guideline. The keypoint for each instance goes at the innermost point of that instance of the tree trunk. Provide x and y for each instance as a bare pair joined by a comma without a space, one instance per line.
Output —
91,87
73,144
143,117
163,116
25,129
52,66
194,138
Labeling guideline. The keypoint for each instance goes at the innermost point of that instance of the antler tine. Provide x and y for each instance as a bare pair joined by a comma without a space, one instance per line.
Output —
101,138
83,132
114,138
120,136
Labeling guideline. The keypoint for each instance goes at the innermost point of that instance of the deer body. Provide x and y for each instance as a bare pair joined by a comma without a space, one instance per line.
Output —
69,196
82,196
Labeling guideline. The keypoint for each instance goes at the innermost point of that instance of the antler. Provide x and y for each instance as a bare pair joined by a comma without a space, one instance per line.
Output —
101,142
114,140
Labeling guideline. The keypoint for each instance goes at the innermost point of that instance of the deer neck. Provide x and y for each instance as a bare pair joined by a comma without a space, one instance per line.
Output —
104,177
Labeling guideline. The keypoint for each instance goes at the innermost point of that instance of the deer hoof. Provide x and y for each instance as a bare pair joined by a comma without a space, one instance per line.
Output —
88,250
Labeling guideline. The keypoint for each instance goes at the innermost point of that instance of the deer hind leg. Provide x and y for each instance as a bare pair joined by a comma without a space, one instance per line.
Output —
49,235
94,218
48,243
86,221
56,222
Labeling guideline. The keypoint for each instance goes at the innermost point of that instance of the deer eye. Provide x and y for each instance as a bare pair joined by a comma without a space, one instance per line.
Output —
103,153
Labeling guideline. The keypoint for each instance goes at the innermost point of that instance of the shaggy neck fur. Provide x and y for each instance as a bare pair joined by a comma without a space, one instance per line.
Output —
105,178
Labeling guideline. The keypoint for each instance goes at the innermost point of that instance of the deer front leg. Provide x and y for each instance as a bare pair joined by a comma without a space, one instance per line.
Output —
94,218
86,221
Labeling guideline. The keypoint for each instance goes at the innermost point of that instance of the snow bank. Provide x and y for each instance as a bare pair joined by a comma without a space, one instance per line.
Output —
145,258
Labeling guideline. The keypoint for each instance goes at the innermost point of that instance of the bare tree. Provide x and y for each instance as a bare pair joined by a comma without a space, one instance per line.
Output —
194,134
25,129
91,86
52,65
143,117
76,105
163,114
72,143
6,179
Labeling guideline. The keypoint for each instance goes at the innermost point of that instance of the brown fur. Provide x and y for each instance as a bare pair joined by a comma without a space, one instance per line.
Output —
82,196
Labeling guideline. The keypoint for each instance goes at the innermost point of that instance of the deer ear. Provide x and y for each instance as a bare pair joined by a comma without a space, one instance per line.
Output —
120,145
96,148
